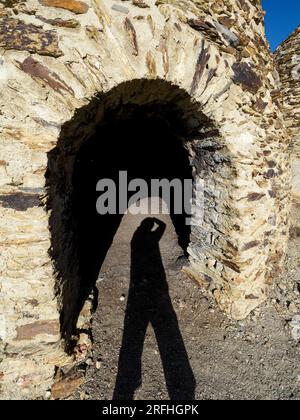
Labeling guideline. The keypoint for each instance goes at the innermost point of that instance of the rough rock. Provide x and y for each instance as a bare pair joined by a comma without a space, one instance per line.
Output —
16,35
288,63
65,387
74,6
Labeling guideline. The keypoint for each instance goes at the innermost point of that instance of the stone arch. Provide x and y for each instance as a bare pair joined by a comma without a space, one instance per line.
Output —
54,86
210,160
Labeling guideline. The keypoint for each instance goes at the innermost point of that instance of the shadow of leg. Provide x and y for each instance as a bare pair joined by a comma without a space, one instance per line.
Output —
180,380
129,377
149,301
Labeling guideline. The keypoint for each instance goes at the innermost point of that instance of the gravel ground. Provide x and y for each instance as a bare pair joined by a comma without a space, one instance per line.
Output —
209,356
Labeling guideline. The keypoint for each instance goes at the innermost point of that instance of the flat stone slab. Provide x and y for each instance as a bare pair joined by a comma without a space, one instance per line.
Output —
74,6
17,35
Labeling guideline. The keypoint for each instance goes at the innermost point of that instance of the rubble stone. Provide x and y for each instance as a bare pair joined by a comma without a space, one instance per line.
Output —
288,63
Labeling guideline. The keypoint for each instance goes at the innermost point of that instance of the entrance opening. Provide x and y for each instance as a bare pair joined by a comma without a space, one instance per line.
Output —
145,142
142,146
150,130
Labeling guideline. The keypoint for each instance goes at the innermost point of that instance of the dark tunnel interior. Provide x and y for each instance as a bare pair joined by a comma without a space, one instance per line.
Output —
145,146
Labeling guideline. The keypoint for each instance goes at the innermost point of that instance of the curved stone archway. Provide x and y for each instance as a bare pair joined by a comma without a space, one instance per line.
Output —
209,158
88,61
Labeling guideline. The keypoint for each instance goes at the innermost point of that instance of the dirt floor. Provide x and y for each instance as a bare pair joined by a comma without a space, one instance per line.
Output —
191,350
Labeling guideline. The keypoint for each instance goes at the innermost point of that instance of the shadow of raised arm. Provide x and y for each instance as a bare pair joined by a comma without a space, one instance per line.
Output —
159,232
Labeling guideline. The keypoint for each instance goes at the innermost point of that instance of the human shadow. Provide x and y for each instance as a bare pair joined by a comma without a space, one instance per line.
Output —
149,303
144,143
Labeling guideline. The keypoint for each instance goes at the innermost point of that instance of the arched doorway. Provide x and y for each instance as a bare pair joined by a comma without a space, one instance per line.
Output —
151,141
143,146
219,248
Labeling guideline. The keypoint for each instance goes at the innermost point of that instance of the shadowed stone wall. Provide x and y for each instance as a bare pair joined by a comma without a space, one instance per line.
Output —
288,62
64,65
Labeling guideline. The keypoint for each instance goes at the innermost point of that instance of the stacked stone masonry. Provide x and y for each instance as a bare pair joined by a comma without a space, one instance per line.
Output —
64,65
288,63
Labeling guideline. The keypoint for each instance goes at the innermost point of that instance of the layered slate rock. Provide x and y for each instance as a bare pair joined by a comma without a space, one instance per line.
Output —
39,71
288,63
74,6
17,35
246,77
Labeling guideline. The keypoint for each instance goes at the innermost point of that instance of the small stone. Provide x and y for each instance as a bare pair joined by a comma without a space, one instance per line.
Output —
245,76
295,327
83,347
84,396
29,331
292,307
38,71
69,23
122,298
66,387
140,3
77,7
282,287
228,35
121,9
47,395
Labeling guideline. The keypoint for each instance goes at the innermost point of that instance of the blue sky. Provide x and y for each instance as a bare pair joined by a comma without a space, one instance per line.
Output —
283,17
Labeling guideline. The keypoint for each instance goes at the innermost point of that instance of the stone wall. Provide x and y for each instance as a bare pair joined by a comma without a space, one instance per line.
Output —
64,66
288,62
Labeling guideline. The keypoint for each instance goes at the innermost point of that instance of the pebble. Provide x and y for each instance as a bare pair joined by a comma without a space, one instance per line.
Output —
89,361
84,396
47,395
292,307
121,9
204,302
295,327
